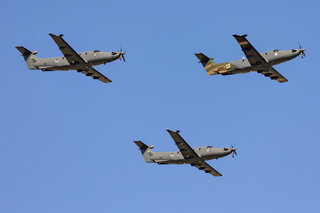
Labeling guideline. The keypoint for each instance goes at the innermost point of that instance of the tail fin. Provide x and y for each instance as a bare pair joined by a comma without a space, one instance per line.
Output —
203,58
207,63
29,57
145,151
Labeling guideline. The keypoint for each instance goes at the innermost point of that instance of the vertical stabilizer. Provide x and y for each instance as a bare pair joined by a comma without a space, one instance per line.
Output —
28,56
210,66
145,151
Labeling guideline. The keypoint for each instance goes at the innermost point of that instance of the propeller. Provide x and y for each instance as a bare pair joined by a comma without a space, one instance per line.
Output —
302,52
234,152
122,56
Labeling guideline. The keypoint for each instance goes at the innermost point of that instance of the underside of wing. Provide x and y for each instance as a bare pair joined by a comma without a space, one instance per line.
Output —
207,169
70,54
273,74
95,75
186,151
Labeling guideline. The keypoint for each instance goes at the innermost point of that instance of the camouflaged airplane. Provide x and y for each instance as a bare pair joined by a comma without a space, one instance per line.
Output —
254,61
82,62
186,155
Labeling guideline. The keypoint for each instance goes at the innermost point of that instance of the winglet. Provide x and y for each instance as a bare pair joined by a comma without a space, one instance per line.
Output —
170,131
53,35
239,36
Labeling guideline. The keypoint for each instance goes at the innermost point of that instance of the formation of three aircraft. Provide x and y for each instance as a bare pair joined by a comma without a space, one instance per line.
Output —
83,62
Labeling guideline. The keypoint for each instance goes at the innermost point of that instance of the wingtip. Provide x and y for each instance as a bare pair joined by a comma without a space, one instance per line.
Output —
243,36
52,35
170,131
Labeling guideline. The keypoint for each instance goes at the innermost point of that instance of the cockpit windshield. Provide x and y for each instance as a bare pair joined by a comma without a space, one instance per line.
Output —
96,51
209,146
275,50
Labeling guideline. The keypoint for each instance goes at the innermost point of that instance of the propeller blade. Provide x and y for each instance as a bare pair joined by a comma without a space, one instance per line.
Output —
124,59
303,55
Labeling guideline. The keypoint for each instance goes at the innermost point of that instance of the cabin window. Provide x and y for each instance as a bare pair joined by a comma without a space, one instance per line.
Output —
86,53
199,148
62,58
266,53
242,60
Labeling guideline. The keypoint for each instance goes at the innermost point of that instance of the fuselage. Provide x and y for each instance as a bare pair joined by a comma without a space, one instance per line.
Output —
92,58
175,157
270,58
273,57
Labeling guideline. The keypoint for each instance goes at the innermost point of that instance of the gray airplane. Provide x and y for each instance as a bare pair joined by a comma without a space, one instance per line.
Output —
82,62
186,155
254,61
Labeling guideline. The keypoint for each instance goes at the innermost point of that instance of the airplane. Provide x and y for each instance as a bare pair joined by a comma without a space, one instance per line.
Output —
186,155
254,61
82,62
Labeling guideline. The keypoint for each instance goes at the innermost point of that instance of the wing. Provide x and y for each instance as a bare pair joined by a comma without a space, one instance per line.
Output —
71,55
207,169
256,59
251,53
186,151
95,75
273,74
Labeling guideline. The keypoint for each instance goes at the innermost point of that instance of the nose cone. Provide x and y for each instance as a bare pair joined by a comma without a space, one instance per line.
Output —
122,53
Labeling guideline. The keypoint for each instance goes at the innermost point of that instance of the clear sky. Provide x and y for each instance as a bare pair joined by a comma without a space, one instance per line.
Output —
66,141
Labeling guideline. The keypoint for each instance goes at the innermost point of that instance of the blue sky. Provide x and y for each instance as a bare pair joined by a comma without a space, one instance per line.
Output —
66,140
